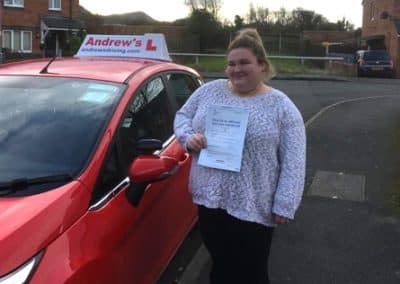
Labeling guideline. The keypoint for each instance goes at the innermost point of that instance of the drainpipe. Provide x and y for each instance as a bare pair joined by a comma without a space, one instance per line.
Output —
70,9
386,16
1,33
69,26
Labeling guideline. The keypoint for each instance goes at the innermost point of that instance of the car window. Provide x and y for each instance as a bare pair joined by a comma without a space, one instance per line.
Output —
149,115
376,55
183,85
50,126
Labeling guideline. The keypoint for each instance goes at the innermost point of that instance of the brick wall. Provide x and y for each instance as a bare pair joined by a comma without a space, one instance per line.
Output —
28,17
374,25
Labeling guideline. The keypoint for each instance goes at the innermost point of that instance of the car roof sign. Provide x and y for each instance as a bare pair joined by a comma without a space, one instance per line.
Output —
148,46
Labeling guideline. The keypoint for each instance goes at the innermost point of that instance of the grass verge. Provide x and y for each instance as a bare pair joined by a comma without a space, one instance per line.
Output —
282,66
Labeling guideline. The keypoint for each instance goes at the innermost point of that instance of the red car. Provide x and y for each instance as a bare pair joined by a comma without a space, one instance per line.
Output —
93,185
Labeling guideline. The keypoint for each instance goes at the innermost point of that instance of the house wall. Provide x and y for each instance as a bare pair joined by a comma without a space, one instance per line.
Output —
28,17
374,25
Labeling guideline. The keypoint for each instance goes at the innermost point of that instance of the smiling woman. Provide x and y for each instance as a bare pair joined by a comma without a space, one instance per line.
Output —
239,206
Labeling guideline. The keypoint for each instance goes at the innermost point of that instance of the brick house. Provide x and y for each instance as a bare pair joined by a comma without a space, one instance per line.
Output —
38,27
381,27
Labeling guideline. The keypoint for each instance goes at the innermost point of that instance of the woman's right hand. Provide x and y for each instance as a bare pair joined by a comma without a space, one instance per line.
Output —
196,142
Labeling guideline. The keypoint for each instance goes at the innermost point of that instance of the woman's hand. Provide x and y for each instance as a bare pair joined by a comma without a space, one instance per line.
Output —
279,219
196,142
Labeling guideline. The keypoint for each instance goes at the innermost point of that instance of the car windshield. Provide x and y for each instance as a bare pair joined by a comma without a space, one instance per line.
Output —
50,126
376,55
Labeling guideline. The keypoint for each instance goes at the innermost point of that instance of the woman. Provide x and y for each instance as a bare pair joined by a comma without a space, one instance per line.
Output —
239,210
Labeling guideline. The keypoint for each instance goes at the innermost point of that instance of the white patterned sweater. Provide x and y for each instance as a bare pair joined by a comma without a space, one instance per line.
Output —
272,172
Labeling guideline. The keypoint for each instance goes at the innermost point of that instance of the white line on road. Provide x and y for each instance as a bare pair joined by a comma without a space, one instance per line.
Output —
325,109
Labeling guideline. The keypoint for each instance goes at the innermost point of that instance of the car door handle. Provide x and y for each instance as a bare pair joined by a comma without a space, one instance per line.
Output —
183,158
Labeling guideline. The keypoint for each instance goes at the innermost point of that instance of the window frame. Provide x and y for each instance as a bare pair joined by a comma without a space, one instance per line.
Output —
52,5
4,38
372,12
172,108
13,4
21,32
171,89
100,195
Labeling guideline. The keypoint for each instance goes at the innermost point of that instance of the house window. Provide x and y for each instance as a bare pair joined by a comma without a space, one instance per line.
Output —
19,41
14,3
54,4
372,12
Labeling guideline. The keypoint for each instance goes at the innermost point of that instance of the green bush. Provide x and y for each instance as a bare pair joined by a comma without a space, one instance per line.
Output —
74,44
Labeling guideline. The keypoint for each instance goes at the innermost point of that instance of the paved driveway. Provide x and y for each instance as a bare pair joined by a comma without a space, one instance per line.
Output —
347,229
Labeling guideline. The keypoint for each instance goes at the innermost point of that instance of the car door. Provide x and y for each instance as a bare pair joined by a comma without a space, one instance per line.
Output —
154,229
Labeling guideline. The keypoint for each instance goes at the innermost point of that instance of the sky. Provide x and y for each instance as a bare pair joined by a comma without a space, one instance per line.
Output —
169,10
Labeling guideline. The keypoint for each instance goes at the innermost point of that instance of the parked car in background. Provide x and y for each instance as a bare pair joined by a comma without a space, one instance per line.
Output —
374,63
93,185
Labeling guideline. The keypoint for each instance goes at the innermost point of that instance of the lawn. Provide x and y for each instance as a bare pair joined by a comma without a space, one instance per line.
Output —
282,66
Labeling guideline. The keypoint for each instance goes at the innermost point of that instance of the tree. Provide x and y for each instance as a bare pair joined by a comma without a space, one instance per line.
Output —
252,15
262,14
344,25
302,20
259,18
205,26
75,42
282,20
211,6
238,22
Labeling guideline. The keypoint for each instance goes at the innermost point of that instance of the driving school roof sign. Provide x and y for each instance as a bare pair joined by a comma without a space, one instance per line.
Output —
149,46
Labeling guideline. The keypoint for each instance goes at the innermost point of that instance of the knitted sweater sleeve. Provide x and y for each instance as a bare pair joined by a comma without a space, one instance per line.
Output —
292,157
183,118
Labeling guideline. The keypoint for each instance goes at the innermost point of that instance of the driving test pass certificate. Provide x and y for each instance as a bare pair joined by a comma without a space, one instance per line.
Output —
225,132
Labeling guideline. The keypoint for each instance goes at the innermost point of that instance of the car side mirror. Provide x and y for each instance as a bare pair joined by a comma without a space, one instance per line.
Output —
147,169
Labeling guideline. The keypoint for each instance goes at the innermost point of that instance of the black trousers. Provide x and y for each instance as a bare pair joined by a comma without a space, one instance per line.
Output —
239,250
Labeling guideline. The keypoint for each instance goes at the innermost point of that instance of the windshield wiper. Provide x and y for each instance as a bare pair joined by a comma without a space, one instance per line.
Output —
22,183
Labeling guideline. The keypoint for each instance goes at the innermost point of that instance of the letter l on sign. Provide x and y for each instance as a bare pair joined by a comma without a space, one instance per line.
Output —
150,46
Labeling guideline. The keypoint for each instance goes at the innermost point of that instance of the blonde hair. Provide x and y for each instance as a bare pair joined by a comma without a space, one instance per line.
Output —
250,39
